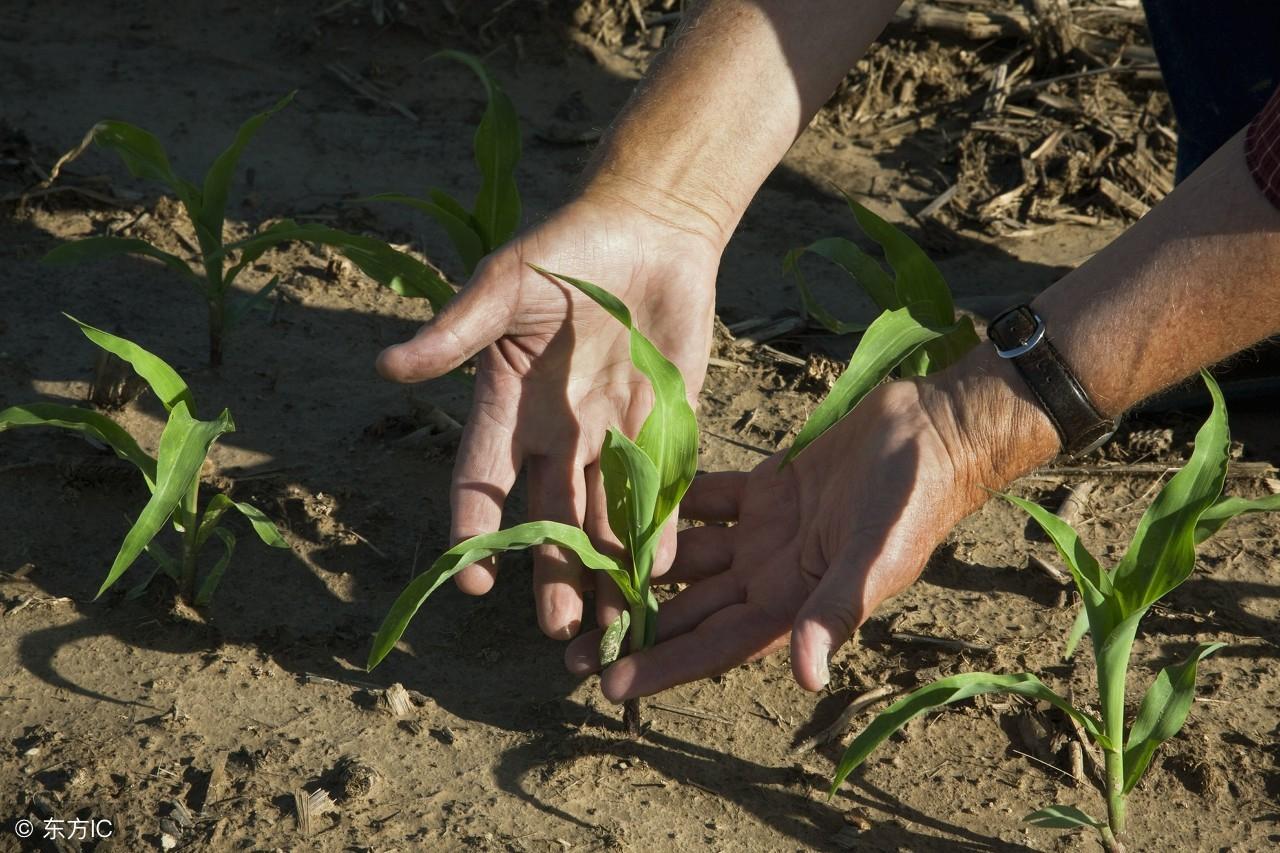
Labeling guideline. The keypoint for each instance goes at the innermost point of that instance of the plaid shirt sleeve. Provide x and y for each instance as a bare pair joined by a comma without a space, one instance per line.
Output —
1262,149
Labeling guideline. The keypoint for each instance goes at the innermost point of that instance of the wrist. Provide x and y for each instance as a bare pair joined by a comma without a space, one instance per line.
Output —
991,423
667,194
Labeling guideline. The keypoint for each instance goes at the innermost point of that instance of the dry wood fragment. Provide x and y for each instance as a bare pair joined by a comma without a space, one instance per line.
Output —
1239,470
310,807
940,201
396,700
757,336
691,712
965,645
1123,201
841,724
367,90
1056,574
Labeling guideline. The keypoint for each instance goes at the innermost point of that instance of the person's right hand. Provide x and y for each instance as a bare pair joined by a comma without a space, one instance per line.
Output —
555,372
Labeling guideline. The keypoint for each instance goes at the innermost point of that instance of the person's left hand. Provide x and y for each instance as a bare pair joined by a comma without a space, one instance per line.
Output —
815,547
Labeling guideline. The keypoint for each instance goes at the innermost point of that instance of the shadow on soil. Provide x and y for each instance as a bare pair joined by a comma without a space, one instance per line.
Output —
302,388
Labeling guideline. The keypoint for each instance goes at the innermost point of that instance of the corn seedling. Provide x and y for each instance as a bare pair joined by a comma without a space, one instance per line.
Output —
917,332
172,475
495,215
474,233
206,207
644,481
1188,510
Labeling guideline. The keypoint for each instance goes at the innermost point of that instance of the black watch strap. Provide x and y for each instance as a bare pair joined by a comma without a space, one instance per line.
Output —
1019,335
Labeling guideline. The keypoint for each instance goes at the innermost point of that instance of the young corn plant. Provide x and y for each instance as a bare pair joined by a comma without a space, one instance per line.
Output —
1161,555
206,206
172,475
916,333
495,215
492,220
644,481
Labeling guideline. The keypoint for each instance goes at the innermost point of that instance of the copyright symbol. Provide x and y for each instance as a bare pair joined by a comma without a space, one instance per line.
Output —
23,828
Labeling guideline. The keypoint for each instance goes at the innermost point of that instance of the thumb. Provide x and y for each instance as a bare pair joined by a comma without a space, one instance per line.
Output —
837,607
475,318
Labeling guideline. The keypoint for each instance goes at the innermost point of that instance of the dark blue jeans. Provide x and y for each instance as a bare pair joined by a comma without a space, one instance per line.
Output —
1221,61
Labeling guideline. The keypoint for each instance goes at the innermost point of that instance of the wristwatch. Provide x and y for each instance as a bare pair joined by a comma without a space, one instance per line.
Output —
1019,336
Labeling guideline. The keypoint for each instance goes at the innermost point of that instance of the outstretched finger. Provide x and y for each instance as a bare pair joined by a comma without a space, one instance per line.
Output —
483,474
557,492
856,582
725,639
714,497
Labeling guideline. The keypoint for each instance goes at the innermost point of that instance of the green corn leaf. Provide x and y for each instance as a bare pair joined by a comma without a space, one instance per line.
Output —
1078,629
468,242
219,504
183,446
1162,552
211,580
163,559
145,157
1163,711
405,275
1062,817
168,386
263,526
631,489
213,512
889,339
1082,564
669,435
85,421
944,692
452,205
97,248
918,283
257,301
497,150
849,257
1213,518
217,181
947,350
611,640
482,547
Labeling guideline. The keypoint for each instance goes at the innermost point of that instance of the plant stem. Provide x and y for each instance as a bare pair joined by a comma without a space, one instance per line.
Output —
216,322
187,518
1114,760
631,718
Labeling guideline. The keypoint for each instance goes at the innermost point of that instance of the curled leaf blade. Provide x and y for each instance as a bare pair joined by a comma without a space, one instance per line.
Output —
84,421
184,444
497,151
1062,817
482,547
217,181
168,386
98,248
946,691
889,339
462,233
1163,712
669,435
1161,554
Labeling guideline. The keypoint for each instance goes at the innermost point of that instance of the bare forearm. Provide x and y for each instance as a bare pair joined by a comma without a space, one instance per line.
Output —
1195,280
721,107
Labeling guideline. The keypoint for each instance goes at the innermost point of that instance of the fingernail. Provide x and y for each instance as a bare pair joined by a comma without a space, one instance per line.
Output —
821,666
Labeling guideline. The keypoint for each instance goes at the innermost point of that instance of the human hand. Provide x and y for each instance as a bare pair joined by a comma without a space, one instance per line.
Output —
555,373
815,547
